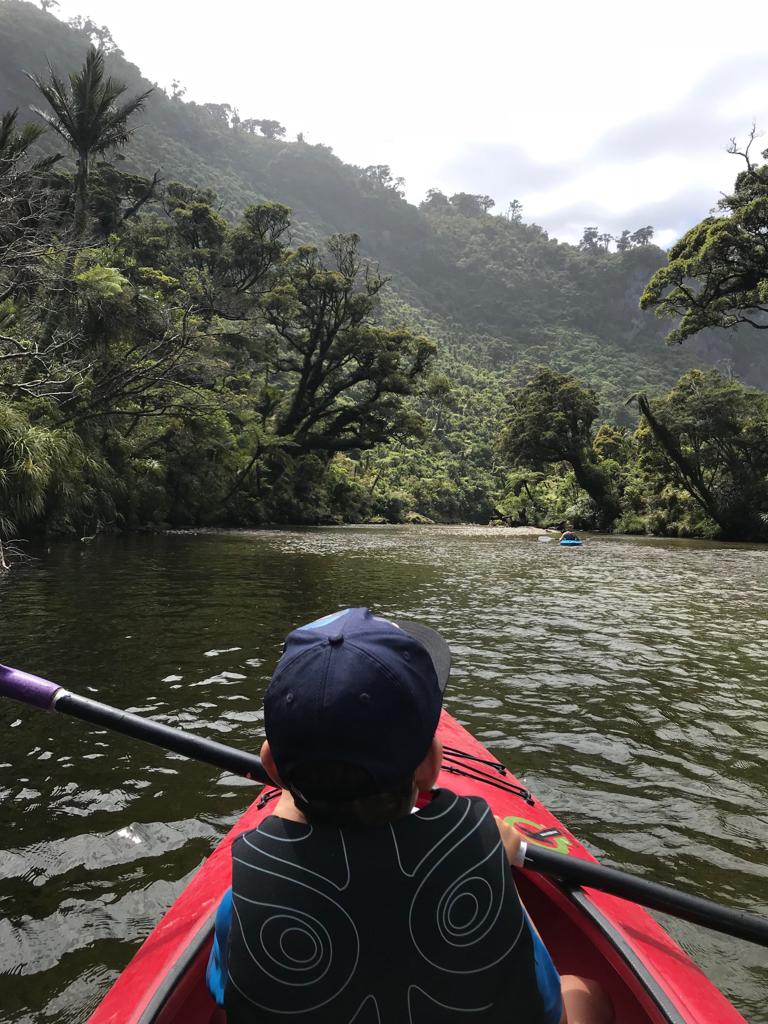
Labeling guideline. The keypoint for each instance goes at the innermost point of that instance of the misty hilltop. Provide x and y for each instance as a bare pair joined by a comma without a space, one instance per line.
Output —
489,287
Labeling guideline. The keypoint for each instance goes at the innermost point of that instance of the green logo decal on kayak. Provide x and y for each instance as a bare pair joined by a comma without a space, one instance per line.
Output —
540,835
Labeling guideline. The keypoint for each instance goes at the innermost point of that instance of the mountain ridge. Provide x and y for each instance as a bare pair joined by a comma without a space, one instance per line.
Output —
498,293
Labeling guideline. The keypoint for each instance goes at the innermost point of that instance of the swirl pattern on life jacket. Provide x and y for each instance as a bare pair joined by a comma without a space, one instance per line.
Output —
416,922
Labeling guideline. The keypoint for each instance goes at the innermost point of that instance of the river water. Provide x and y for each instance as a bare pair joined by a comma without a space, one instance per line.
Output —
625,682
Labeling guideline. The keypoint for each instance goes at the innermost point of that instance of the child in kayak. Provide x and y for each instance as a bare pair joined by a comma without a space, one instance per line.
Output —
368,896
568,534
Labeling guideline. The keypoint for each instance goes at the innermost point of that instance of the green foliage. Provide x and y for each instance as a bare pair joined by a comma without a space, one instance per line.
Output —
345,375
47,471
15,142
198,371
717,275
709,436
549,421
99,282
87,116
493,286
209,357
27,205
115,196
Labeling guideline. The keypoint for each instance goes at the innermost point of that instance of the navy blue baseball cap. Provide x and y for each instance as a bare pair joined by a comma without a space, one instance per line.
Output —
357,688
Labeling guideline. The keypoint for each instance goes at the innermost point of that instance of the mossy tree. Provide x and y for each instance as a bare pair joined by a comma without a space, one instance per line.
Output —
550,420
717,274
710,435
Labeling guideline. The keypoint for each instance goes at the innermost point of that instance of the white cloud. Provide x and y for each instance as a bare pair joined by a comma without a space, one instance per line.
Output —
439,88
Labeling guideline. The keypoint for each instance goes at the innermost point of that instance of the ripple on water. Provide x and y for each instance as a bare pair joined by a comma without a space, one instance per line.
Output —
625,682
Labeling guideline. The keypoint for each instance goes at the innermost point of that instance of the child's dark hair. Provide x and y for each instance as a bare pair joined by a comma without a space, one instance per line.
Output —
339,793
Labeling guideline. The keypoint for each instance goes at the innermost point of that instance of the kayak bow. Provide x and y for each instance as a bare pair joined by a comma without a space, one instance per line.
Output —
648,976
589,932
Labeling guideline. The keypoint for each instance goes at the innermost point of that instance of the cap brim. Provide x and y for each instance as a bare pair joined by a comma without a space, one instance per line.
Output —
436,646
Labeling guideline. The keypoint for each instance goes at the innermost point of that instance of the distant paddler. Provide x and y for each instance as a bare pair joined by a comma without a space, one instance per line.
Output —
568,534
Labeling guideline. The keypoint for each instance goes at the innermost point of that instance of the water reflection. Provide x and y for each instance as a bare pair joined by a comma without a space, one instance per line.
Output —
624,681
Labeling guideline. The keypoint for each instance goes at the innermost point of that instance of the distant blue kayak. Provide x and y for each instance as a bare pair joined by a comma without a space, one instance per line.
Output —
571,543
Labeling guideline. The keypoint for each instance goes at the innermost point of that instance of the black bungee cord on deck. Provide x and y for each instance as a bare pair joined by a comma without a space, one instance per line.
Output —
469,771
456,752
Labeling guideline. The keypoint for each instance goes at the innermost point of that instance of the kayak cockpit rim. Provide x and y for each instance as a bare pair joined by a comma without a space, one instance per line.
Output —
661,999
165,989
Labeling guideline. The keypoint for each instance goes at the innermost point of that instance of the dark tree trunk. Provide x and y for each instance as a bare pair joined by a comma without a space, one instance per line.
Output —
81,196
594,481
737,521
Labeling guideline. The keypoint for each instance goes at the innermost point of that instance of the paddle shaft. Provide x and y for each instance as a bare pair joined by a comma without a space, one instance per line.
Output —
573,871
42,693
198,748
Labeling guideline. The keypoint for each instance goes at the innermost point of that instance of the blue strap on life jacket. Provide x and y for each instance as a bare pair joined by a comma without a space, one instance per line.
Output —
216,973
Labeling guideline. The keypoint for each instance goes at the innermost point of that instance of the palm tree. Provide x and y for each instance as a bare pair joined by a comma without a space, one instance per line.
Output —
15,140
87,116
25,204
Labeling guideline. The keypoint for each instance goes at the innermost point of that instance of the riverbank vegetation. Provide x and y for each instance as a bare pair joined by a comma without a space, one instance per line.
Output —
168,358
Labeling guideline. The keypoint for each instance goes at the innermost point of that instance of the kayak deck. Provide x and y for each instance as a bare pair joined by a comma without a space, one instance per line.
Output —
647,975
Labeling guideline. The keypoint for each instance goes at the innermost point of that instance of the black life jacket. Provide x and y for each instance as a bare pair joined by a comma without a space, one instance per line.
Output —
417,922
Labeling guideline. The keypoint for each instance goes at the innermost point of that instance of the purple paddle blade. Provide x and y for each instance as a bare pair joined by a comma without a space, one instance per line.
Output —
27,688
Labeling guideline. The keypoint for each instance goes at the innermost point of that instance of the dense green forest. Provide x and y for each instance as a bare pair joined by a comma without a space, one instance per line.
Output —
204,323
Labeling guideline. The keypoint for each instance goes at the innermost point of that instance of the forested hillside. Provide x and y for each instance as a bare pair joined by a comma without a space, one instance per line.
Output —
204,322
495,290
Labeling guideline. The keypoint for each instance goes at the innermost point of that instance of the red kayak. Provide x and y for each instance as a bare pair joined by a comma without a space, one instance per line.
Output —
648,976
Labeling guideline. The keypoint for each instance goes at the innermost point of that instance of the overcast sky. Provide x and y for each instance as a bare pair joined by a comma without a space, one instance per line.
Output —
613,113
